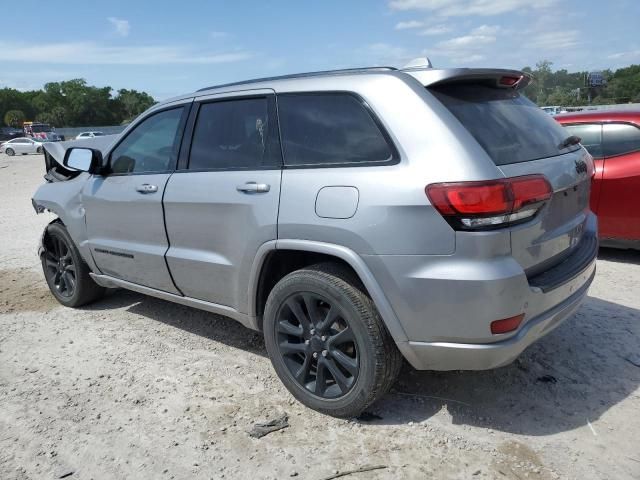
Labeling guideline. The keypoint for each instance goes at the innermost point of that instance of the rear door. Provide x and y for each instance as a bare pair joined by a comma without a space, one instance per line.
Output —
521,139
222,203
124,215
619,211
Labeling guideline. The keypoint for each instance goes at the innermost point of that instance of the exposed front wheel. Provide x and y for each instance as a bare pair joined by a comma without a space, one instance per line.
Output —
65,271
327,341
10,152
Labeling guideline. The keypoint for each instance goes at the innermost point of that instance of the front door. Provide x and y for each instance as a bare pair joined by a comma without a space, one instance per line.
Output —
222,205
124,214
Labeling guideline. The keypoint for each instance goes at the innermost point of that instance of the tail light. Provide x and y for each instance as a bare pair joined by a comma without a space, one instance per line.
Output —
491,203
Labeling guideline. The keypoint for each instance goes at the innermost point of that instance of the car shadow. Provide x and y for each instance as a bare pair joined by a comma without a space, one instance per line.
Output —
217,328
573,375
619,256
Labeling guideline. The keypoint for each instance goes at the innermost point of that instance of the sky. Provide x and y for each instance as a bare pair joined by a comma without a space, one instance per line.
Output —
171,47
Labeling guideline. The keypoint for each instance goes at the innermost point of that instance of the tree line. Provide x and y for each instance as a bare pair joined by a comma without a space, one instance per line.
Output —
563,88
72,103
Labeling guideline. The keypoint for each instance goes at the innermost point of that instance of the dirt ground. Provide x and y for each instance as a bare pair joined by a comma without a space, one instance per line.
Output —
134,387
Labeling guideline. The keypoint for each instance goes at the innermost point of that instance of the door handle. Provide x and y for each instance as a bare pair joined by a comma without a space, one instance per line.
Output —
147,188
253,187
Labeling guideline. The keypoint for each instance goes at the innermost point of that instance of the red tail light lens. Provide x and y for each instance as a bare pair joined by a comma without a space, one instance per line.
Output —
489,204
528,190
470,198
507,324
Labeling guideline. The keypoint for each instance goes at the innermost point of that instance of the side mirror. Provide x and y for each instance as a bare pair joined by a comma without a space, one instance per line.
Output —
83,159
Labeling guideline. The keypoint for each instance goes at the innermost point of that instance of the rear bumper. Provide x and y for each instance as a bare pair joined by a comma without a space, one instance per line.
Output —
484,356
446,304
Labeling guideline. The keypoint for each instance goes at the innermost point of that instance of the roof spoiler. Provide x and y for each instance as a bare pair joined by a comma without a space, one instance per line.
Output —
500,78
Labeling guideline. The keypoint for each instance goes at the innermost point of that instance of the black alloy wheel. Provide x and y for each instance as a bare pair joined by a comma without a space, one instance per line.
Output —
327,342
60,268
317,345
67,274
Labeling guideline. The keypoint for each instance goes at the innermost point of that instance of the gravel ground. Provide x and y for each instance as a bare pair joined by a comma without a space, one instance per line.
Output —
134,387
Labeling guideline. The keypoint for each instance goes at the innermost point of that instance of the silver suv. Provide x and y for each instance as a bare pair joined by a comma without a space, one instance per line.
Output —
355,217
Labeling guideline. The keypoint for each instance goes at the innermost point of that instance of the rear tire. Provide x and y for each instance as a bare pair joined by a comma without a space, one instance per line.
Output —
65,271
327,342
39,150
10,152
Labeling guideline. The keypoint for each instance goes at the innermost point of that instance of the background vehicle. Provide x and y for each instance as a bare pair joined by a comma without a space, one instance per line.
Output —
9,133
42,131
613,139
554,110
21,146
376,213
82,135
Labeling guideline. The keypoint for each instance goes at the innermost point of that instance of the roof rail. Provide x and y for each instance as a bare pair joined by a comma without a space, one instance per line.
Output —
344,71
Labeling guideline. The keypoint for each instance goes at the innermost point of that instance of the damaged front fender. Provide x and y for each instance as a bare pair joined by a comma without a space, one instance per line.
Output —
62,194
64,199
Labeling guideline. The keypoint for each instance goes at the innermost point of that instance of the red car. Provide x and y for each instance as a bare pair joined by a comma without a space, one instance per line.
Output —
612,137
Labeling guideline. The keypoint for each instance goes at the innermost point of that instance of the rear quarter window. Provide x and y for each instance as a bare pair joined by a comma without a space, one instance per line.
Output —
620,138
590,137
509,127
330,129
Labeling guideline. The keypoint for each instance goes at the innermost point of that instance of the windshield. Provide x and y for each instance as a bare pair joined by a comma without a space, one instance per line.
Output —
507,125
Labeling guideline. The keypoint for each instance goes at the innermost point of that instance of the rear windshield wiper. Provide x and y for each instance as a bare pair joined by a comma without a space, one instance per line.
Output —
567,142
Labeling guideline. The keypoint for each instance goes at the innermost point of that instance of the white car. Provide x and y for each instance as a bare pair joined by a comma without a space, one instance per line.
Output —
89,135
21,145
554,110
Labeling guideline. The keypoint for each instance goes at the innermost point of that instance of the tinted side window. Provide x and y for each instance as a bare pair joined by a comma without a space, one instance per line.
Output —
325,129
151,146
620,139
590,137
232,134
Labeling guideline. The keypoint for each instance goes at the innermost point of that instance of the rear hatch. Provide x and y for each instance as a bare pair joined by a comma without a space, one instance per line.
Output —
521,139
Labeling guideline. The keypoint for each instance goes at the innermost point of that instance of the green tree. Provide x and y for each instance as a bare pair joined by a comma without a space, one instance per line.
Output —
57,116
132,103
561,87
14,118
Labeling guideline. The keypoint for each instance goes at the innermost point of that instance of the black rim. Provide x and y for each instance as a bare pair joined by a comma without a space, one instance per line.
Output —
59,266
317,345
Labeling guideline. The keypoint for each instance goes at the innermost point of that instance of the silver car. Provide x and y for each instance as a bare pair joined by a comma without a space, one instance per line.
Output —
21,146
355,217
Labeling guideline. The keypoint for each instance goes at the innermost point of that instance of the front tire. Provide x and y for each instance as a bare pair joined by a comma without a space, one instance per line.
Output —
10,152
327,342
65,271
39,150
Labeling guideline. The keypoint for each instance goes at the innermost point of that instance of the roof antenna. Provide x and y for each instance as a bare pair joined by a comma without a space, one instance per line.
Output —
420,62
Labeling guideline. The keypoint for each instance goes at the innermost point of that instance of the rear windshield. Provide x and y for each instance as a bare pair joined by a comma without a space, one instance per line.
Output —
507,125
